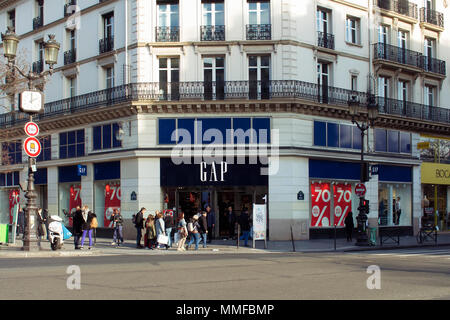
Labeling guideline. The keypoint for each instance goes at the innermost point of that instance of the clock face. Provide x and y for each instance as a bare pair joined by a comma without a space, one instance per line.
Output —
31,101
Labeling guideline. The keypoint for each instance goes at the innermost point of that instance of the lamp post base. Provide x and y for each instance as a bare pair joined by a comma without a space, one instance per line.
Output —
31,246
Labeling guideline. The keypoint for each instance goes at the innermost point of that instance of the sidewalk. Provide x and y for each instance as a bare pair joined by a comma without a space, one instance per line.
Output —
103,247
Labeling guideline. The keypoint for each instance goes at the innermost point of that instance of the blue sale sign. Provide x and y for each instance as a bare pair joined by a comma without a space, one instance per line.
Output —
82,170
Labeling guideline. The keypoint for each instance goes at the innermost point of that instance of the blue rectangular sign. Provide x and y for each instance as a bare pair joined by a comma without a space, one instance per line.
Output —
82,170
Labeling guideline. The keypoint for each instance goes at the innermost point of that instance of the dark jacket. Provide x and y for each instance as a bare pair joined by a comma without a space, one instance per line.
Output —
117,219
77,222
203,221
349,225
168,221
87,224
139,220
211,219
244,221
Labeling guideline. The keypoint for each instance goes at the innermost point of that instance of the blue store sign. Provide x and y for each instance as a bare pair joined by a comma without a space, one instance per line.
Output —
82,170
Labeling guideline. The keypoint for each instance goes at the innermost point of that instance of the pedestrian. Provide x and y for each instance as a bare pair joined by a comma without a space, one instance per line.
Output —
90,223
182,232
139,224
42,231
117,220
194,232
77,227
244,222
231,221
20,222
150,232
45,216
169,224
160,228
211,216
398,210
349,226
203,221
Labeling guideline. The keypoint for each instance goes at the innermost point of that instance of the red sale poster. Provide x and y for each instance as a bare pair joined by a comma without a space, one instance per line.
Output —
75,200
342,194
113,196
13,201
320,204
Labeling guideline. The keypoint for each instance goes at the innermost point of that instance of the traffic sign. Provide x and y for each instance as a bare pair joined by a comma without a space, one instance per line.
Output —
31,129
360,190
32,147
423,145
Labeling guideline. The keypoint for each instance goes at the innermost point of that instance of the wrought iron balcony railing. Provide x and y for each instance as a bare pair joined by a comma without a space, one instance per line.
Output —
403,7
38,22
212,33
38,66
228,90
167,34
259,31
432,17
70,56
397,54
67,11
433,65
325,40
106,44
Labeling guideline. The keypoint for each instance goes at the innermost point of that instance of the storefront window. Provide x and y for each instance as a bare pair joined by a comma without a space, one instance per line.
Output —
394,204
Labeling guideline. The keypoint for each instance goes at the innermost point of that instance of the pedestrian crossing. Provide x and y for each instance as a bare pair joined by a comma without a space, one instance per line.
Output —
409,253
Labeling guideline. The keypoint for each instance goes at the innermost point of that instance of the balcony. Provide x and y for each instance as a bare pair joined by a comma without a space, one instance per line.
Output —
67,11
395,54
167,34
70,56
403,7
412,110
432,17
259,31
38,22
106,44
38,66
212,33
325,40
430,64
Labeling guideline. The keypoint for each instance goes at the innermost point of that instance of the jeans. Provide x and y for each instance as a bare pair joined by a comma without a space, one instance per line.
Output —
76,240
245,235
118,234
168,233
204,238
84,236
138,237
196,237
210,234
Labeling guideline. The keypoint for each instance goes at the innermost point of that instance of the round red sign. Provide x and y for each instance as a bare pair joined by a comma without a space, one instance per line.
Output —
32,147
31,129
360,190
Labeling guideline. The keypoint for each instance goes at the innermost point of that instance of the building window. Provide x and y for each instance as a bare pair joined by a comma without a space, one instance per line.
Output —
352,33
104,137
70,54
46,149
214,77
259,27
383,34
9,179
38,64
72,87
169,78
107,43
71,144
109,77
259,77
168,29
213,27
354,83
334,135
429,96
323,80
392,141
11,19
11,153
402,90
38,21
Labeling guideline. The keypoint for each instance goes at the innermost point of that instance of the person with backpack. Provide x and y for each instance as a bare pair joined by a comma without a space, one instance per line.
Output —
139,224
193,228
169,224
182,231
150,232
89,225
244,222
117,221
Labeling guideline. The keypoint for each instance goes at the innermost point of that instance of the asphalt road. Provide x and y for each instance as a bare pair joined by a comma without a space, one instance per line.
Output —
404,274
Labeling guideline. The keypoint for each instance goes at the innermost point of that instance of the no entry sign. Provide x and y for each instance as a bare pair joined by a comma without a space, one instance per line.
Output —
360,190
31,129
32,147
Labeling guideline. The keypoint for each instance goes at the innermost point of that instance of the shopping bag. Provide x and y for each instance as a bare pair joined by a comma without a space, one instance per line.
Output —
66,233
162,239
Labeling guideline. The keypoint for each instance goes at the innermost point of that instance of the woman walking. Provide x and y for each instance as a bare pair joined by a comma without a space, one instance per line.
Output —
194,232
160,228
42,230
88,225
349,226
150,232
182,231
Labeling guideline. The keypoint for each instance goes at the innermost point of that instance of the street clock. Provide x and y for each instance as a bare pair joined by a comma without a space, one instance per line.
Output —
31,101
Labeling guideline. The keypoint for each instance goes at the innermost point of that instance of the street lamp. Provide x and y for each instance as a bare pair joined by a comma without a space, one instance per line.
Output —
368,114
51,50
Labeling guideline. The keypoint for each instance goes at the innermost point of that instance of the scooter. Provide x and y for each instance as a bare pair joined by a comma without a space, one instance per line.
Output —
55,229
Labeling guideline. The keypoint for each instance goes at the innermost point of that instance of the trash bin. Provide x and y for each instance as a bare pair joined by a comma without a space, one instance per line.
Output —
373,236
4,231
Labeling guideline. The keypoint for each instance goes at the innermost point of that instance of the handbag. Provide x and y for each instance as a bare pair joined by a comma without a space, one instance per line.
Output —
162,239
94,223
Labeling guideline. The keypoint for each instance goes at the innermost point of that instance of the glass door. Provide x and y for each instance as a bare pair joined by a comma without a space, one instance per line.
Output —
259,77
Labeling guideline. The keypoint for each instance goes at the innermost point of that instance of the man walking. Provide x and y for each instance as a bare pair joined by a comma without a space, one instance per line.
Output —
244,222
204,227
139,224
117,220
398,211
77,226
168,223
211,216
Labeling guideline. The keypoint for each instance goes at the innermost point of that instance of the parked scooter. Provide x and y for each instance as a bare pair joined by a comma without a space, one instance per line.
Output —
55,228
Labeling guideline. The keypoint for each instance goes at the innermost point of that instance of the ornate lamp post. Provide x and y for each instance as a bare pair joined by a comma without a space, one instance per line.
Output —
367,115
32,105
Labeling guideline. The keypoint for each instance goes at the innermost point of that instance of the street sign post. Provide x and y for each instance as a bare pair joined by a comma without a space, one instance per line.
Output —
360,190
32,147
31,129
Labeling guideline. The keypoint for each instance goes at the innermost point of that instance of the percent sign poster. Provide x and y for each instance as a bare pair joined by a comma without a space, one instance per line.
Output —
320,204
75,200
113,195
342,194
